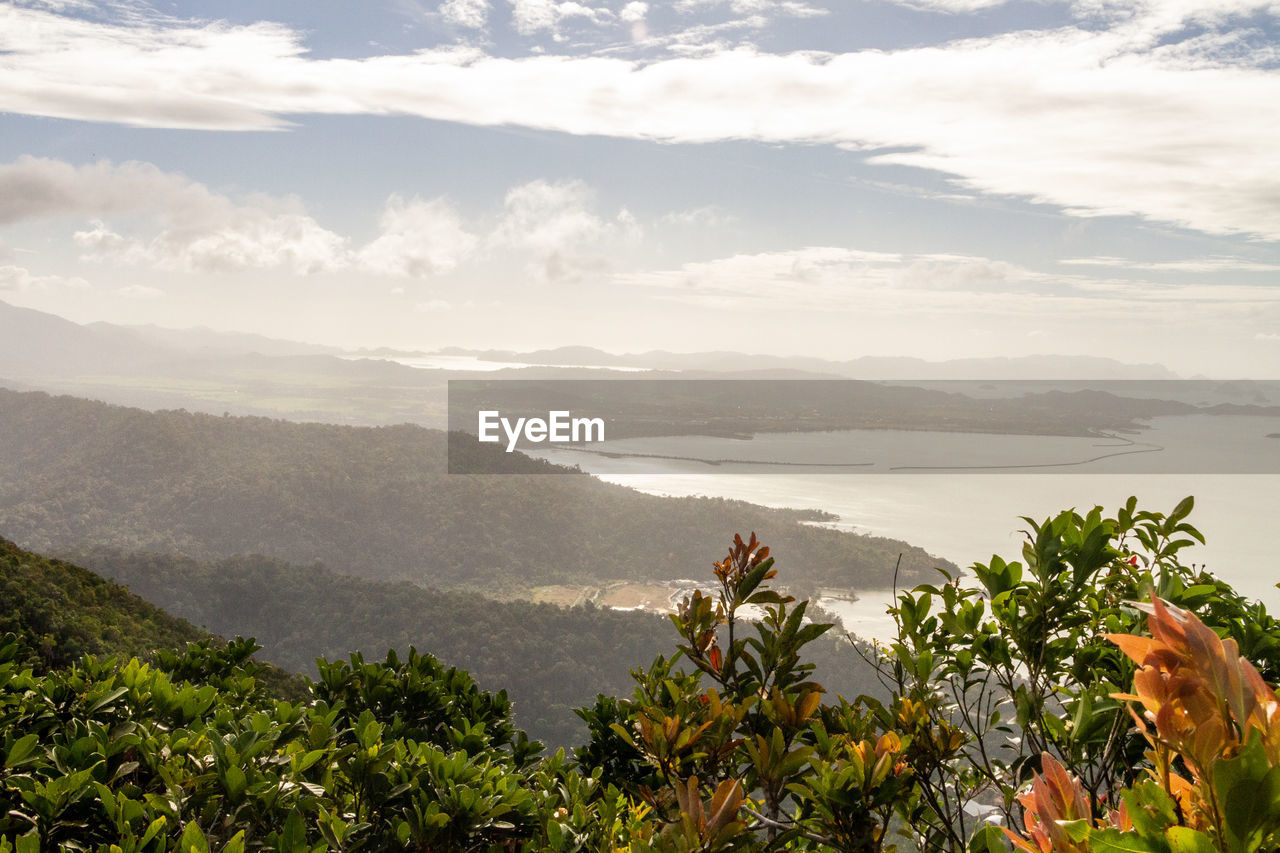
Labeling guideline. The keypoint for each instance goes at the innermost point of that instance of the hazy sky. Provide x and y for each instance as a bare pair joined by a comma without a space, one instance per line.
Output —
939,178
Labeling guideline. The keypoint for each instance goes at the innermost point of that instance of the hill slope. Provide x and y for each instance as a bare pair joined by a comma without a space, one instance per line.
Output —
60,611
374,502
549,659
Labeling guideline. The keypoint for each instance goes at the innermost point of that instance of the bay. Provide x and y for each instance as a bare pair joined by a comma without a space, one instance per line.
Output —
966,517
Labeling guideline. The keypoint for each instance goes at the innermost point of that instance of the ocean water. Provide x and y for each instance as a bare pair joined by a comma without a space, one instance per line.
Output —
966,517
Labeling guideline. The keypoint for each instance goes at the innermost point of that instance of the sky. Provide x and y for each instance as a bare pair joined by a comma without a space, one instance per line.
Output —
831,178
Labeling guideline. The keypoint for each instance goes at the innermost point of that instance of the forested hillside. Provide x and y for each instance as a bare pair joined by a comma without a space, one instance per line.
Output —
549,659
63,611
1007,693
375,502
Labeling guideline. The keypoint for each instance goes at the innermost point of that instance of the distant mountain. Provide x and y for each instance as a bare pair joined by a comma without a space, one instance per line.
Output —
35,345
205,341
867,367
243,374
375,502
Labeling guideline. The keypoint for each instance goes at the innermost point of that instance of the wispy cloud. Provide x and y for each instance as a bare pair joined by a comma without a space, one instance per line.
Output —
1189,265
1096,121
707,216
793,8
845,279
828,276
20,279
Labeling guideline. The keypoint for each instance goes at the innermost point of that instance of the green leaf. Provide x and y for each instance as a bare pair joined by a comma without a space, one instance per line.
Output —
22,751
988,839
1252,804
1115,841
1183,839
193,840
1077,830
153,829
108,699
235,782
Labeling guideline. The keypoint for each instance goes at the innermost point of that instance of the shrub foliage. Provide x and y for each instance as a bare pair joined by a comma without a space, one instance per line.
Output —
1096,695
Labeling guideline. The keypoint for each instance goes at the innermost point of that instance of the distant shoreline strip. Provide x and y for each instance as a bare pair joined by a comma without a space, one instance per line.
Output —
1135,448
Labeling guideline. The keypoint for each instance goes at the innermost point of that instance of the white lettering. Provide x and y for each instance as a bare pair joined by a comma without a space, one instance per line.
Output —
488,421
512,434
588,424
559,427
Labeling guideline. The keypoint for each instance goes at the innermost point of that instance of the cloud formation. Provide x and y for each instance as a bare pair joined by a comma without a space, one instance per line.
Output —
177,224
846,279
472,14
556,224
418,239
172,223
19,279
1115,120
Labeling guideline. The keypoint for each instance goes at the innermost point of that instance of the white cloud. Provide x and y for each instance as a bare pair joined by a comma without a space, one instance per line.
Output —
473,14
633,15
952,6
1095,120
36,188
532,16
181,225
548,216
1190,265
555,223
199,229
244,237
418,238
710,215
634,12
794,8
13,278
843,279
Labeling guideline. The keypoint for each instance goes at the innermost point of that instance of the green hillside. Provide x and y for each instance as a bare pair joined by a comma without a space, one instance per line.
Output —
374,502
740,742
61,611
549,659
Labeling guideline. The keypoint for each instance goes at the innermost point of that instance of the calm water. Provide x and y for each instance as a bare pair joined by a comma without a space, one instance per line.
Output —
1208,444
967,517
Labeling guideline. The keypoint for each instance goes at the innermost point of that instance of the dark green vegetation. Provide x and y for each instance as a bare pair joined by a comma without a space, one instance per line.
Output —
549,659
733,743
64,612
373,502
